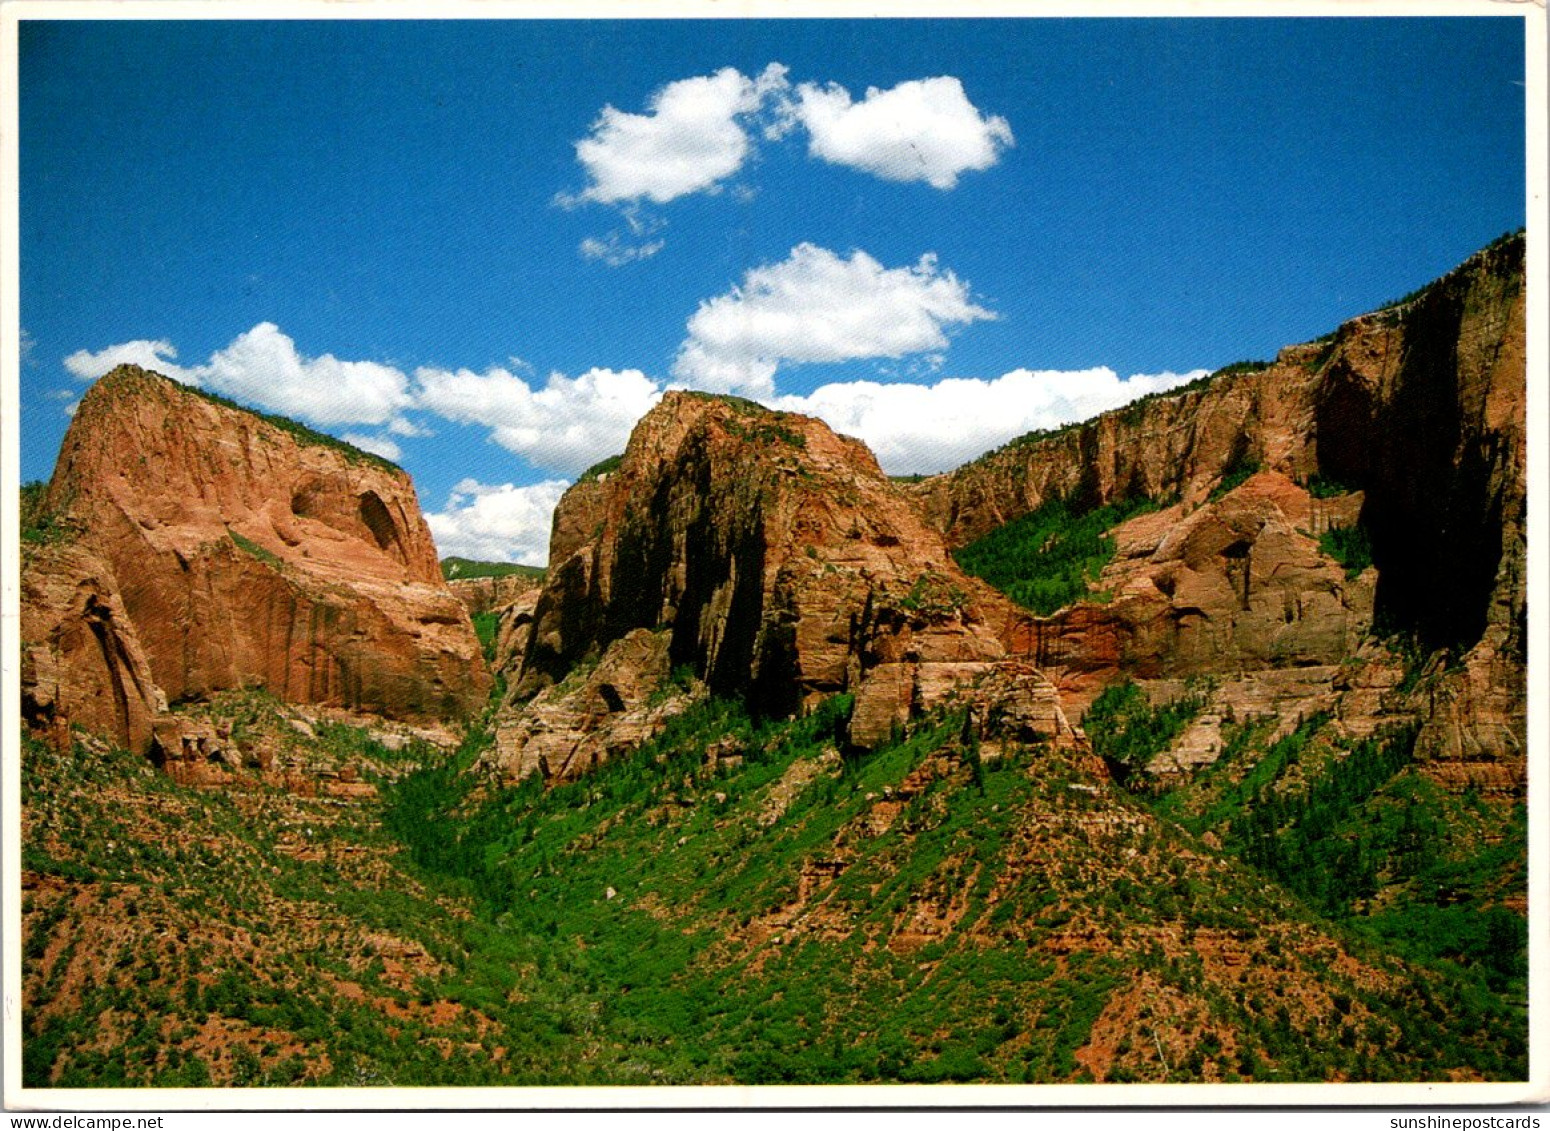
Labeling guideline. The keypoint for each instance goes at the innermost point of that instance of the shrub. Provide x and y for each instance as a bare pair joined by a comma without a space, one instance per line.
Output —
1348,545
1046,559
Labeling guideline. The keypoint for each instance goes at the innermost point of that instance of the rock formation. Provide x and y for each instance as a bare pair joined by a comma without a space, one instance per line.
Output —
492,594
1416,412
596,713
1237,584
213,548
781,565
742,552
82,664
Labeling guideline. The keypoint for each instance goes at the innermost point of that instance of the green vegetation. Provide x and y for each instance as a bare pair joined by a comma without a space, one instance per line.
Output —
1047,559
1321,487
601,468
1235,367
254,550
1292,835
1238,472
456,567
933,595
487,626
1348,545
936,911
766,427
1038,435
1127,732
40,525
1360,832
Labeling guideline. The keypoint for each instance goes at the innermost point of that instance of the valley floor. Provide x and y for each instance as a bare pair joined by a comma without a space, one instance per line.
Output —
367,911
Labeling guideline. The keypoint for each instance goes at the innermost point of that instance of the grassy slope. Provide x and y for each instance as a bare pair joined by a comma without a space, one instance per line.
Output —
1048,558
456,567
1006,920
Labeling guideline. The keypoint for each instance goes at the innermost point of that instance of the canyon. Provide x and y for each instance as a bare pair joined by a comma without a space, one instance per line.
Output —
1251,784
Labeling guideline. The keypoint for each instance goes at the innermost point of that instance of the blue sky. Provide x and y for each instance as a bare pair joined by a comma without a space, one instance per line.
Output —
485,247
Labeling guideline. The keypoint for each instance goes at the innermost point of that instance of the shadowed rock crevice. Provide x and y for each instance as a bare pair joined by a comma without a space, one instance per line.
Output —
777,561
374,514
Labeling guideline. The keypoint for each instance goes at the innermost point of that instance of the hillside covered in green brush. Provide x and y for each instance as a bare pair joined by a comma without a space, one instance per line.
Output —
1187,743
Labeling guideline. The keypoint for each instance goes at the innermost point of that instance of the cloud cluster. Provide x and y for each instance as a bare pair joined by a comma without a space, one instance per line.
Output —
691,140
699,132
922,429
157,356
922,130
817,306
263,367
497,523
614,250
564,427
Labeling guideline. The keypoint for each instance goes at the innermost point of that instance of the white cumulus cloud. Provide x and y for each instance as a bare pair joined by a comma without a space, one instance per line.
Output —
817,306
564,427
500,523
921,130
691,139
157,356
916,429
263,367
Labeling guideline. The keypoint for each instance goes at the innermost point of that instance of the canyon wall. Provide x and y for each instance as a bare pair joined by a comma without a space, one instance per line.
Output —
205,548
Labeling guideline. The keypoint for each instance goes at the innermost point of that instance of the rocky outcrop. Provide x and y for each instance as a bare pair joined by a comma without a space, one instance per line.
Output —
595,714
779,562
81,662
1416,411
1238,584
514,628
246,551
493,594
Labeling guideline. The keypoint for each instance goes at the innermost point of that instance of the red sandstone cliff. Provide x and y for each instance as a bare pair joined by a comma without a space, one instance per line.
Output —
214,549
781,565
1417,410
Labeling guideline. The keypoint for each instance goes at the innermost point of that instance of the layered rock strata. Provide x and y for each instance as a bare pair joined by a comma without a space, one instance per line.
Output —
1237,584
1416,412
233,550
778,562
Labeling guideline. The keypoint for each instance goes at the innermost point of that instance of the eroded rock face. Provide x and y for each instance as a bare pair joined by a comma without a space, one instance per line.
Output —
1417,410
82,663
779,562
594,715
244,553
1235,585
493,594
514,629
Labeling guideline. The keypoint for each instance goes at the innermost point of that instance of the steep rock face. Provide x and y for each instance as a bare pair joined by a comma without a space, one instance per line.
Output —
595,714
514,628
1417,409
82,663
1238,584
1427,412
782,564
246,553
1174,446
492,594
